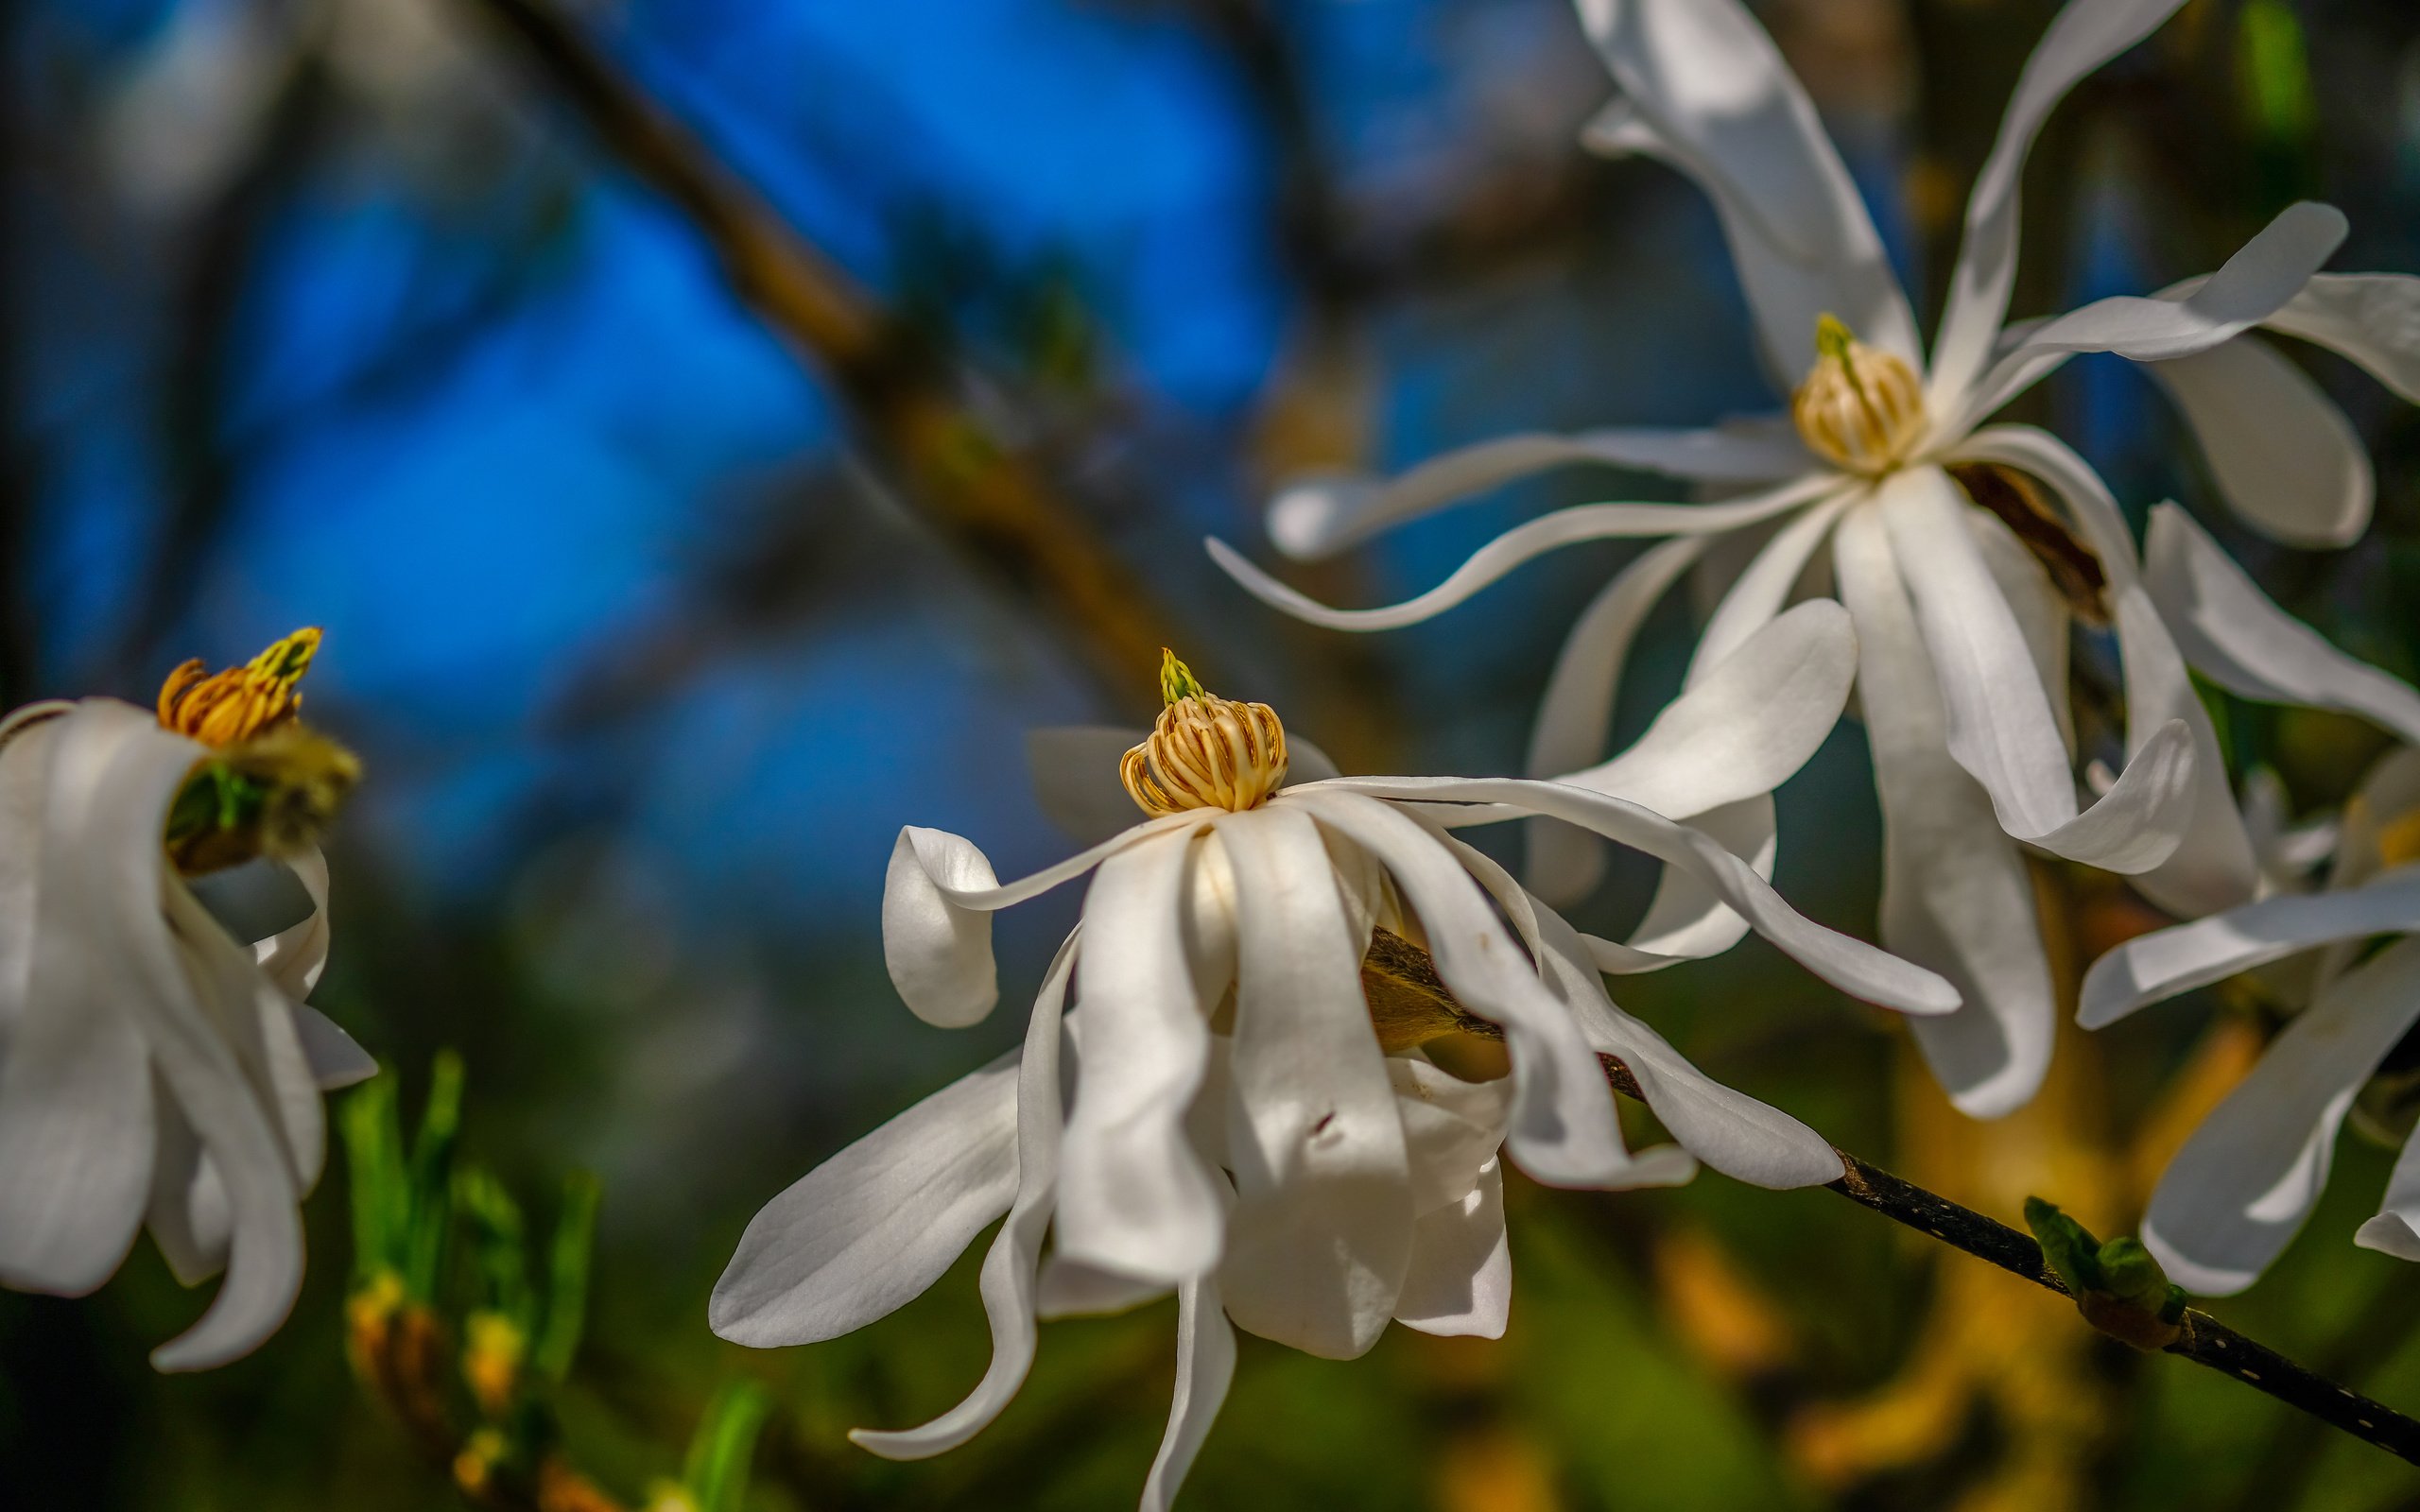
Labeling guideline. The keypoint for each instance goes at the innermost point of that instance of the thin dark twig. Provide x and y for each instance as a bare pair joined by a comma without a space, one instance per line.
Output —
1405,990
985,494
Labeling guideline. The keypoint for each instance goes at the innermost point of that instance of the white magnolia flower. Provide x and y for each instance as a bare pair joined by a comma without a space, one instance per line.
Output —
1223,1112
157,1065
1944,542
2246,1181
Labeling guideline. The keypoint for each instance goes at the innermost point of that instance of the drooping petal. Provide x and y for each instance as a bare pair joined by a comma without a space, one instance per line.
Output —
2000,723
1851,964
1526,542
1955,893
295,957
2282,454
2162,964
2369,318
1008,1281
1451,1128
1070,1288
2213,868
254,902
337,1061
937,904
1576,713
187,1214
2255,283
1133,1194
1562,1128
256,1021
1686,920
1729,1130
869,1230
2395,1229
2237,636
1320,1234
113,777
76,1110
1205,1363
1756,597
1707,81
2041,615
2247,1179
1461,1281
2085,35
1320,515
1745,728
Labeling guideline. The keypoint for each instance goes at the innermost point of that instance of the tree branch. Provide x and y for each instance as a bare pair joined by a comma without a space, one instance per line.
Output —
979,490
1410,999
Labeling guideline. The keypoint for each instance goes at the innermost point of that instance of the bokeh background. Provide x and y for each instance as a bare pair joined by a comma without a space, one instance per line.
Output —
658,598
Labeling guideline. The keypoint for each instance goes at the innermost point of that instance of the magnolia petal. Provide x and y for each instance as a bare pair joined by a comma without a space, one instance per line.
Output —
187,1214
1708,82
2395,1231
113,777
2236,635
2084,36
937,905
2282,454
1562,1128
1525,541
2041,615
2151,968
25,773
255,900
1451,1128
256,1021
1853,965
2370,319
1687,919
1133,1194
1320,515
1746,727
2257,282
2213,868
1461,1281
335,1060
869,1230
1206,1363
1756,597
76,1122
1575,715
1955,896
1320,1234
2246,1180
1008,1269
2000,723
1070,1288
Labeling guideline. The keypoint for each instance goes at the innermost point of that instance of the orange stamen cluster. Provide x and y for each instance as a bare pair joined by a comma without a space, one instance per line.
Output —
1205,752
228,708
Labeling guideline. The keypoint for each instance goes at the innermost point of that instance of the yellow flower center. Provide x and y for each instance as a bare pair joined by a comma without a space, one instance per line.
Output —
1860,409
1205,752
228,708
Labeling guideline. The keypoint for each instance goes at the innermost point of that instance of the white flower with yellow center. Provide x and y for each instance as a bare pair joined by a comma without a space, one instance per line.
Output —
1963,548
1222,1111
2248,1179
162,917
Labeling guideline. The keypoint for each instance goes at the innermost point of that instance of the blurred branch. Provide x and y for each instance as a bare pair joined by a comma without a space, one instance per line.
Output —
980,490
207,304
1399,966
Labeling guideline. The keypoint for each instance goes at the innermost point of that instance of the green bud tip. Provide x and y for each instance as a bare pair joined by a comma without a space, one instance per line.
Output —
1832,337
1177,681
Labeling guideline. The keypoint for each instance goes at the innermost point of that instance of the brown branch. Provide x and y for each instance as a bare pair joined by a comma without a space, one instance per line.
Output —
980,492
1410,1002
